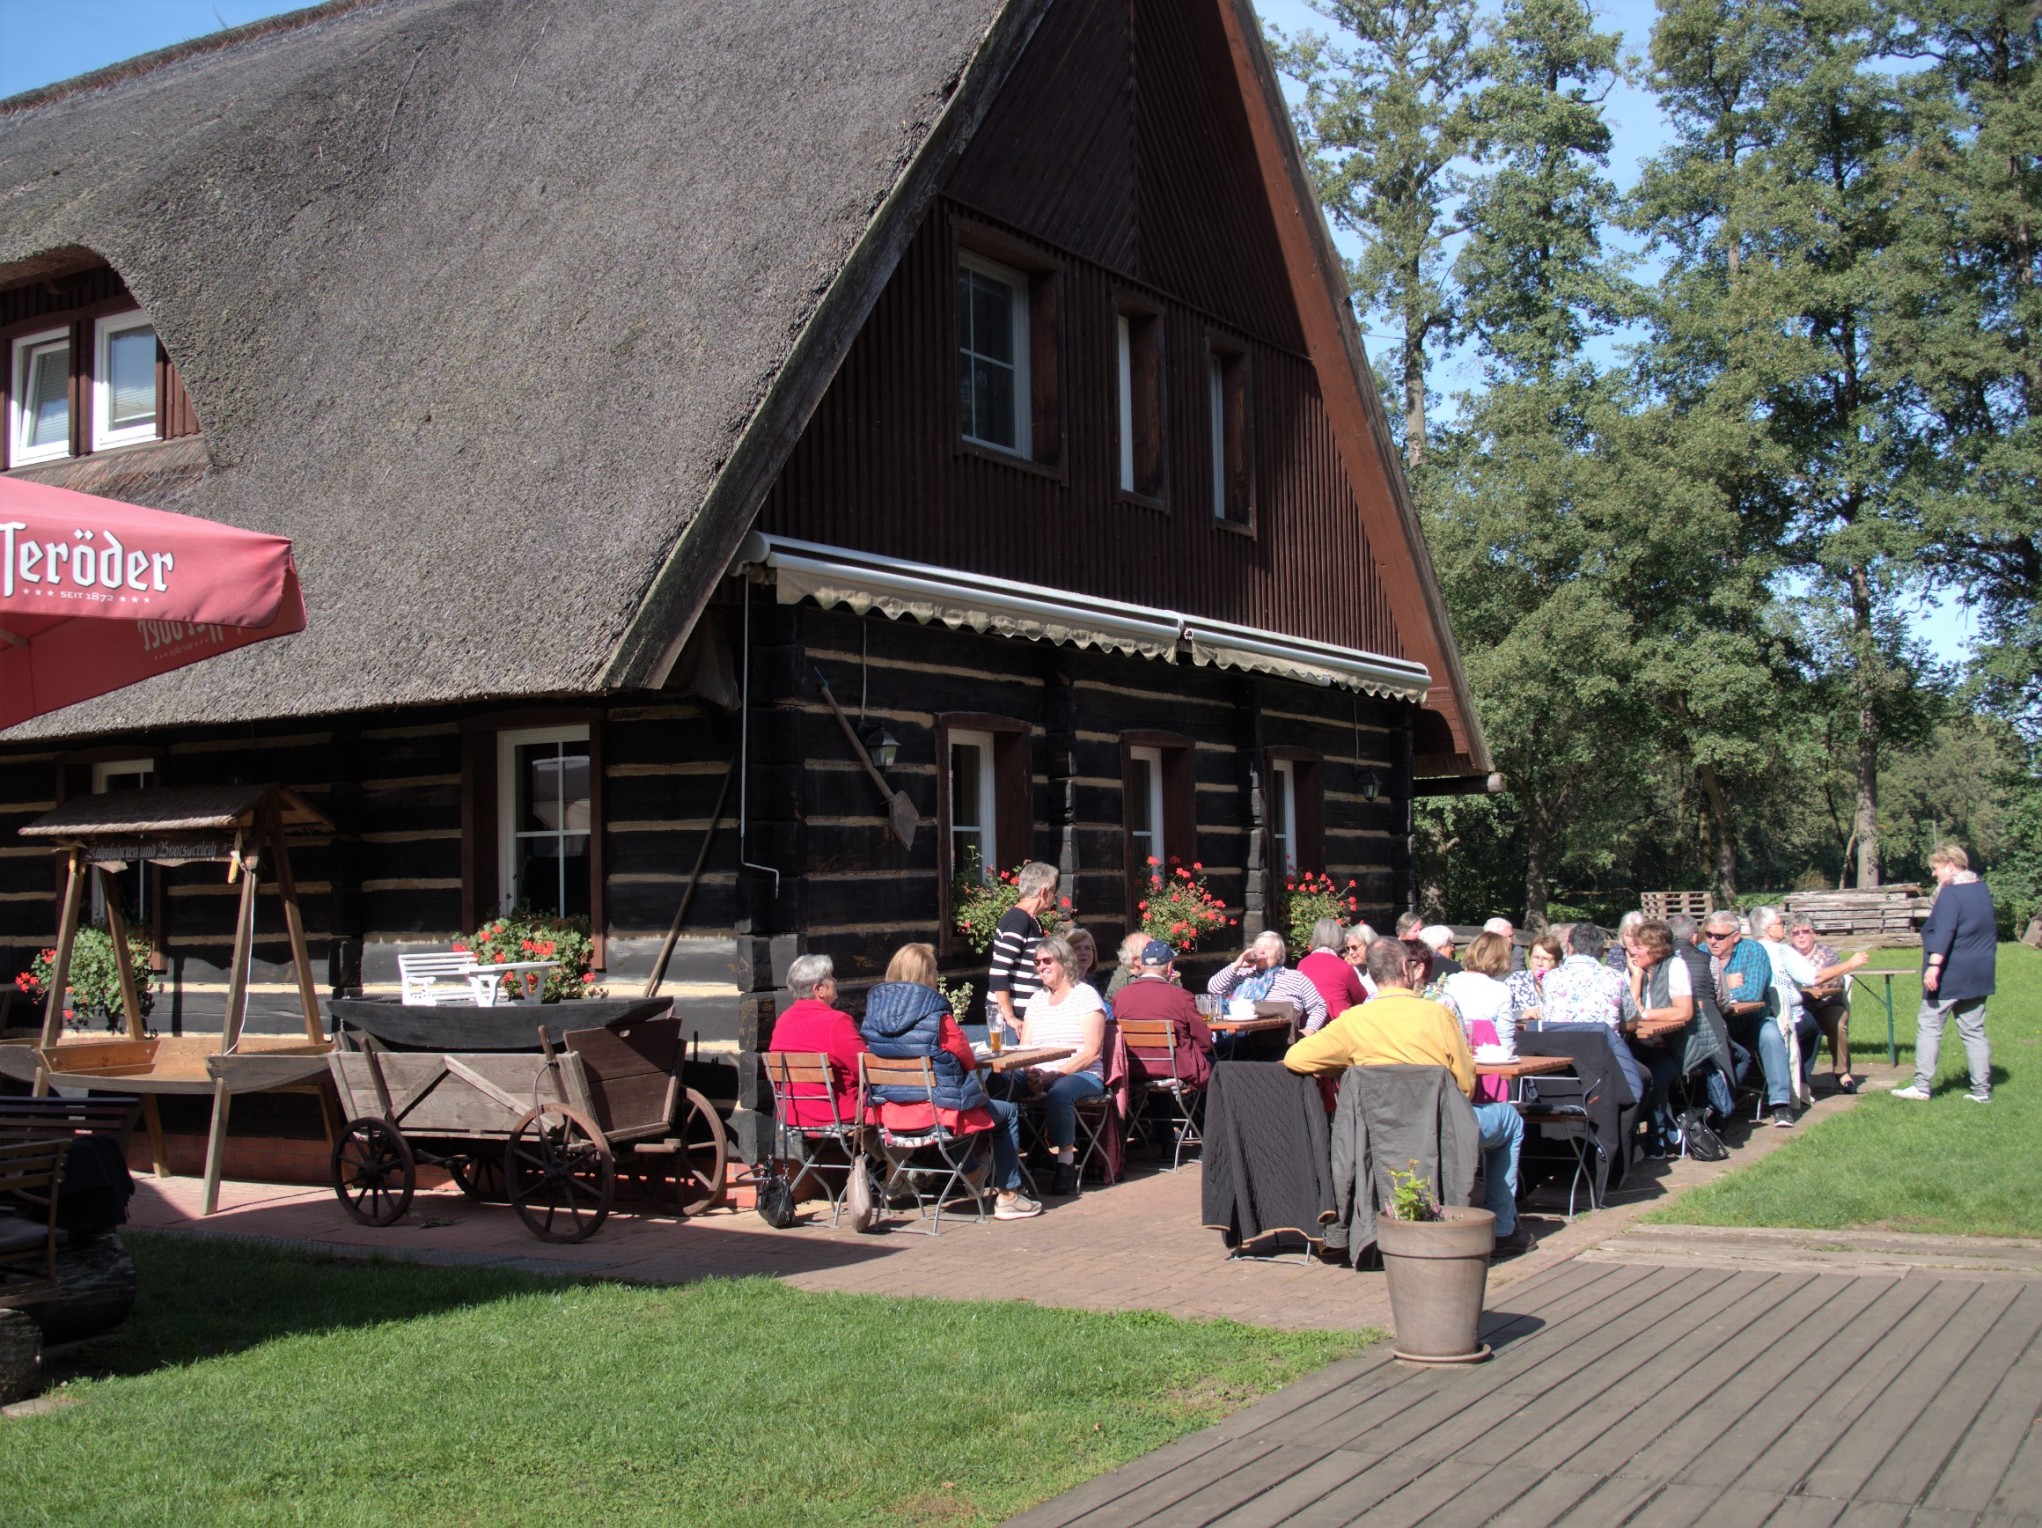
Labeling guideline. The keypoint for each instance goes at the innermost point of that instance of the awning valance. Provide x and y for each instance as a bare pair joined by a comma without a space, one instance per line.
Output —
863,581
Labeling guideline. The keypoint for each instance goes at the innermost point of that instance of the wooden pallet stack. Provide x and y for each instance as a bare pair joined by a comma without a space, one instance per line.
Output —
1664,904
1886,914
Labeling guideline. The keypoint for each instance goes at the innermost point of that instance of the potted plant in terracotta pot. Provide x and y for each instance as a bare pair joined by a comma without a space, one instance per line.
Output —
1437,1262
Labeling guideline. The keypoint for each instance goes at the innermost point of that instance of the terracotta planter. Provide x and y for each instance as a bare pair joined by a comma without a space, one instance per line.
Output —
1438,1271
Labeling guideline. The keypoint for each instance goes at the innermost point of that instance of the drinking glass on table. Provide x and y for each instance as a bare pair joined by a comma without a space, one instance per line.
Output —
996,1037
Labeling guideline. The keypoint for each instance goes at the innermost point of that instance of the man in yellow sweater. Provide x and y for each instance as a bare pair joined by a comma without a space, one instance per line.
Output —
1397,1027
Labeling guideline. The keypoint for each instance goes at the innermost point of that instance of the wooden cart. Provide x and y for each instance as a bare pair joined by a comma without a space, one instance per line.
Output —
545,1131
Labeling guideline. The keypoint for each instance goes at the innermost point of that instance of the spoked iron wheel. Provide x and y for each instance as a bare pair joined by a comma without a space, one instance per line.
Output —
560,1173
479,1177
689,1179
374,1172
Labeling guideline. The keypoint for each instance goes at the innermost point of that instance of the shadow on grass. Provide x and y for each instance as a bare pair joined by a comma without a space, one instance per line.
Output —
203,1298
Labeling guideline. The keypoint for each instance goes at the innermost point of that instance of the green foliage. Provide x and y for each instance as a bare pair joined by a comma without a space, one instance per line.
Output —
1411,1196
528,935
234,1390
979,901
1178,907
1309,896
92,985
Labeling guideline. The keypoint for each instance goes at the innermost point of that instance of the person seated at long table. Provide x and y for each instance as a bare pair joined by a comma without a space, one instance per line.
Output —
1068,1015
1397,1027
908,1016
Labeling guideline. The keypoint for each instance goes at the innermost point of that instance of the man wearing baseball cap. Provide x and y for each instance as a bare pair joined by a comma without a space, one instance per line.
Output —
1153,993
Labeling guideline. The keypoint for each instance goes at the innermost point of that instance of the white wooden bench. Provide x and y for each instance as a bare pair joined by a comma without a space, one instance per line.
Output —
433,977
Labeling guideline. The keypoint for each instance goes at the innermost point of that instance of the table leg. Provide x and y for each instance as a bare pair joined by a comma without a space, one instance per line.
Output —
216,1143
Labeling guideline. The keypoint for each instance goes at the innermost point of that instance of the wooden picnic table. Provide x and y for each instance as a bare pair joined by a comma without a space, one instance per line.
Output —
1221,1025
1017,1056
1657,1029
1524,1066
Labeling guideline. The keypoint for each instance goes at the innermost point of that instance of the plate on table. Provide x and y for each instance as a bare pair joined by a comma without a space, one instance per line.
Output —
1493,1055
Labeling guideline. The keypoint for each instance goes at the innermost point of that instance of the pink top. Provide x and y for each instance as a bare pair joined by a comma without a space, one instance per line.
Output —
1336,980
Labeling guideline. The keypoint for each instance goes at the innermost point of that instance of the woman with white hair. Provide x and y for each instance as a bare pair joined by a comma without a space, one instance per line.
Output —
1325,969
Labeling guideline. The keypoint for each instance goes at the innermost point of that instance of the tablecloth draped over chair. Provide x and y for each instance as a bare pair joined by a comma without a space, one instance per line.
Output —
1387,1118
1268,1162
1598,1084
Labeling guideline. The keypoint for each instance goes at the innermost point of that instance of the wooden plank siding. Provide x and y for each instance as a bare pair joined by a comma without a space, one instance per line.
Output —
1108,97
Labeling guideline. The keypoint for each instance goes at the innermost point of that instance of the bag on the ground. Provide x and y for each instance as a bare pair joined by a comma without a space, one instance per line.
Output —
861,1205
1703,1144
775,1197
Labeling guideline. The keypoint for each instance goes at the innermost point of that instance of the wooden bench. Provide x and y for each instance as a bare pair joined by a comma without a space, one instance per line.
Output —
29,1172
424,972
60,1119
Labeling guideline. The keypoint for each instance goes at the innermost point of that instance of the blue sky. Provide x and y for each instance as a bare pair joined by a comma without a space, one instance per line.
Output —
46,40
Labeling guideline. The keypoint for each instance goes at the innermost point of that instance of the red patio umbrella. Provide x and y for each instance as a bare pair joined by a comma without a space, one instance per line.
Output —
96,594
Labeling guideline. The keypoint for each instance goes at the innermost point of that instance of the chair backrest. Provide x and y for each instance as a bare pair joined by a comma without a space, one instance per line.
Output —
430,963
59,1119
29,1173
802,1077
1153,1042
913,1073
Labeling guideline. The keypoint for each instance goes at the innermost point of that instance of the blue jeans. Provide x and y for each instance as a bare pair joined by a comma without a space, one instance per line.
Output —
1060,1106
1006,1134
1663,1063
1772,1057
1502,1136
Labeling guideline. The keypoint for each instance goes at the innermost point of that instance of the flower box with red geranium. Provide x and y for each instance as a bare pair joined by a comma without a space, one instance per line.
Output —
1178,907
1309,896
979,901
93,985
525,935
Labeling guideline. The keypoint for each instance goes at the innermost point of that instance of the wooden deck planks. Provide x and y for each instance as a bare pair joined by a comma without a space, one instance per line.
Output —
1971,1476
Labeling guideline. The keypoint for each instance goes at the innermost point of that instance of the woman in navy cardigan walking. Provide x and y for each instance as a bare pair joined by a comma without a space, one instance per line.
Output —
1958,950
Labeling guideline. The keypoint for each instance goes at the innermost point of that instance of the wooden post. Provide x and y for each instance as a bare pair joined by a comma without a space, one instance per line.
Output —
250,865
159,1153
287,892
67,935
117,930
216,1139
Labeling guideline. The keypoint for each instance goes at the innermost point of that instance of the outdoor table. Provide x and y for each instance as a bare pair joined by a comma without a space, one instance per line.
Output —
486,982
1015,1057
1256,1025
1524,1066
1657,1029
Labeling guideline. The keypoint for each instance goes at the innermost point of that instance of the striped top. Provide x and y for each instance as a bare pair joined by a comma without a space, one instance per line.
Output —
1012,969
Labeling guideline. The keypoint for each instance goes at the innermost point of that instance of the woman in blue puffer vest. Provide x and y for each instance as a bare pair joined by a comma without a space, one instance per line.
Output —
905,1017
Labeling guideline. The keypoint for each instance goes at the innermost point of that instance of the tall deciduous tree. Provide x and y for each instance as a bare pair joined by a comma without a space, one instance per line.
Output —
1382,120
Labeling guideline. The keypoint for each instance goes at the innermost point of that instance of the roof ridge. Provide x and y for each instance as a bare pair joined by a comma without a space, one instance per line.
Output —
149,63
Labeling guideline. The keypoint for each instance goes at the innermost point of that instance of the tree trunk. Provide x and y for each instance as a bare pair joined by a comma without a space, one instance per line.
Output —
1414,389
1719,838
1537,850
1865,823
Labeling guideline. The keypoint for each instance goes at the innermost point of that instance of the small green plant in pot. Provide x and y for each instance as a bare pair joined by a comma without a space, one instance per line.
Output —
92,985
1436,1261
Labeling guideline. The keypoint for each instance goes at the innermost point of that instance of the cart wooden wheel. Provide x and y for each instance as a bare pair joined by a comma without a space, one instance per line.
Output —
561,1173
479,1177
699,1167
374,1172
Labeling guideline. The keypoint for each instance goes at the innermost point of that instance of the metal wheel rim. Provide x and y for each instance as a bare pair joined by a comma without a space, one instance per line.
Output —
365,1158
560,1173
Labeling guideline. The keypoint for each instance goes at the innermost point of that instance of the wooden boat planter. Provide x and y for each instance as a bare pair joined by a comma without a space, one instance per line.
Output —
548,1132
244,827
453,1027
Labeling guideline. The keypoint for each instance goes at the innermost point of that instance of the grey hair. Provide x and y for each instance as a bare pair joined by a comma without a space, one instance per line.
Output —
1629,921
1270,936
1722,920
1683,927
1800,921
1059,949
1762,919
1327,934
807,972
1364,933
1035,877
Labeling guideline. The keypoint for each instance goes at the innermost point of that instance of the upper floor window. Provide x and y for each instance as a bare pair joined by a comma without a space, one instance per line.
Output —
1141,404
123,381
973,812
1283,814
39,399
544,802
1227,393
1296,812
1145,804
993,381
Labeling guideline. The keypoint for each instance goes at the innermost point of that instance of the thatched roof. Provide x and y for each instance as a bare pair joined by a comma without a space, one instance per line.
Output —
173,812
483,304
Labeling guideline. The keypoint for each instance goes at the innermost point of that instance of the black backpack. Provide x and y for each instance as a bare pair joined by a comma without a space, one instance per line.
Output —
1703,1144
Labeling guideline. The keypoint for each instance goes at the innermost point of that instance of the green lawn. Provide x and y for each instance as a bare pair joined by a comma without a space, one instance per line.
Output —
261,1386
1944,1166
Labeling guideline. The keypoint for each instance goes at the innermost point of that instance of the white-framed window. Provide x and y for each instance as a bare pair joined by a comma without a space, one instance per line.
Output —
124,775
973,839
993,384
1283,814
1127,478
123,381
544,819
1145,805
39,404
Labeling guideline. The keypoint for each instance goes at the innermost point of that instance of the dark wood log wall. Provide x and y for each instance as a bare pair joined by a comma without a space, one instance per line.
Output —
1113,159
862,895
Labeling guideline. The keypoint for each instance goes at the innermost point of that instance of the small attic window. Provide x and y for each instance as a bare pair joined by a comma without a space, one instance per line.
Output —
39,398
124,381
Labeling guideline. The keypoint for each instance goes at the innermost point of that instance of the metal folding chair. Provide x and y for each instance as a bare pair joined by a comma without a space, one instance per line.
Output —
804,1082
1152,1045
912,1080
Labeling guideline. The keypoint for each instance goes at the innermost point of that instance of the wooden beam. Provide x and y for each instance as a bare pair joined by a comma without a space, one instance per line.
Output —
117,930
216,1139
248,863
67,935
287,892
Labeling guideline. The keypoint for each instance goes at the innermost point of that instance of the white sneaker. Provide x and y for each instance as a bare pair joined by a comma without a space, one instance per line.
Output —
1911,1092
1015,1207
1979,1098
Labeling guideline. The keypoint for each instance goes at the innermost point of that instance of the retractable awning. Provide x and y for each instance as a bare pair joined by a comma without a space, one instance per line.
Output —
863,581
